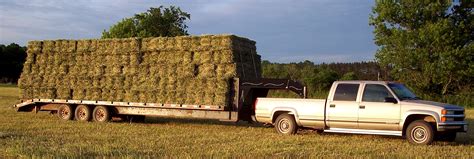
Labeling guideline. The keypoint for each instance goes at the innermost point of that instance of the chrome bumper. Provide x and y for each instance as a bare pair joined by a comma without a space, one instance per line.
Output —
453,126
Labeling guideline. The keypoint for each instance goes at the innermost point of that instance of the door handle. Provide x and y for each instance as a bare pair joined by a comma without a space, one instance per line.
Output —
361,106
332,106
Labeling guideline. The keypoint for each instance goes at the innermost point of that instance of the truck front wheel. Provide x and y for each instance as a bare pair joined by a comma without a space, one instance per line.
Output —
83,113
286,124
420,132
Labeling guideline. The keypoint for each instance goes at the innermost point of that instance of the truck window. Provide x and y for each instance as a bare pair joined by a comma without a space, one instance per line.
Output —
346,92
375,93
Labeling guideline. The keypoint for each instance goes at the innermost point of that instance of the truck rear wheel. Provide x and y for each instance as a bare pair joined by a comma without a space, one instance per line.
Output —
83,113
101,114
420,132
65,112
286,124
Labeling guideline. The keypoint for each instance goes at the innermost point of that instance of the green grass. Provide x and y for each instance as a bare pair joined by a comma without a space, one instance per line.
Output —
43,135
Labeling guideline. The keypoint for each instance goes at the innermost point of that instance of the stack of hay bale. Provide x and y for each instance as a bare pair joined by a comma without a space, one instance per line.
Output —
171,70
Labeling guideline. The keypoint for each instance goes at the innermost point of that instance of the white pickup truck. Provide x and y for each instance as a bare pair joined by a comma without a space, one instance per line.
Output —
365,107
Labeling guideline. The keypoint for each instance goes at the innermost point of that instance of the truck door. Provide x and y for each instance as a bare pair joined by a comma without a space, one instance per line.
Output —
375,111
343,109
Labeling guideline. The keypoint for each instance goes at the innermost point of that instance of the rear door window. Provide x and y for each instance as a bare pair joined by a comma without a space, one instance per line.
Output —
346,92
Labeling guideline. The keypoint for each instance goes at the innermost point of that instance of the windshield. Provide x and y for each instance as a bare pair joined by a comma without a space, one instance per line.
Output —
402,92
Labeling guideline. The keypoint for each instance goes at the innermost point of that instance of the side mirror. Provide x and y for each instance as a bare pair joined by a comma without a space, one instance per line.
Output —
390,100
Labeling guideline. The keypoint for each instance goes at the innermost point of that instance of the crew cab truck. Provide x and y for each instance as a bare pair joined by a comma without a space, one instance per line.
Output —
366,107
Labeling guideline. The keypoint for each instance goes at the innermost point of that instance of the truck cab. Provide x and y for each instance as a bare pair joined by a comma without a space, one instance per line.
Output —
367,107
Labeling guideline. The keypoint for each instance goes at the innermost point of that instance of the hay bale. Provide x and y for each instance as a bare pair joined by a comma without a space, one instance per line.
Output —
34,47
179,70
206,71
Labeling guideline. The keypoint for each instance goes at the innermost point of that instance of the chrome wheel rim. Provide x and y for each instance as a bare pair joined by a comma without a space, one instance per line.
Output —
100,115
81,114
419,134
284,126
64,113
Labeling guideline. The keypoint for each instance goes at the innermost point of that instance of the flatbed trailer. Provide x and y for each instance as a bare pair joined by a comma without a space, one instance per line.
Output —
243,95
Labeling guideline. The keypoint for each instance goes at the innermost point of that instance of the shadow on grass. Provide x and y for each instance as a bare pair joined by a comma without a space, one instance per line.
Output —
165,120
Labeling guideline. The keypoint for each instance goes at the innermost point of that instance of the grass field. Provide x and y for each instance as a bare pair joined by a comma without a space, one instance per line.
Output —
43,135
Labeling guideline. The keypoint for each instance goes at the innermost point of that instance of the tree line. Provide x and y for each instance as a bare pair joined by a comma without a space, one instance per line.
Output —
12,57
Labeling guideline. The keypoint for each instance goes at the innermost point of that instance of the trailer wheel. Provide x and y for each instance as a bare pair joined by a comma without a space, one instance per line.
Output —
101,114
83,113
420,132
65,112
286,124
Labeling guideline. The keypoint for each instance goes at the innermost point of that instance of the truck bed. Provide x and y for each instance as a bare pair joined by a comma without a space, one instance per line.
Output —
307,112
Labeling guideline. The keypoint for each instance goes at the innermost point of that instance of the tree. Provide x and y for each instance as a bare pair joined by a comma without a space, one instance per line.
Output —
12,58
427,44
349,76
156,22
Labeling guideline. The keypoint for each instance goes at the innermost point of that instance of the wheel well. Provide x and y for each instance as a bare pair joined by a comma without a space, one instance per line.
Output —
428,118
278,113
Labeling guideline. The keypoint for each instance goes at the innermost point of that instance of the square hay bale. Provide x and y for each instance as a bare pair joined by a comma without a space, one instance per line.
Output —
78,94
26,93
65,46
183,43
203,57
143,97
225,57
106,94
131,96
64,93
118,82
34,47
25,81
205,41
170,97
185,71
27,68
206,71
84,45
48,46
47,93
170,43
119,95
226,71
208,98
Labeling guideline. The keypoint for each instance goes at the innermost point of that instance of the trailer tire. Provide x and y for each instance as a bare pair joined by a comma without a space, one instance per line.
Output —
83,113
101,114
420,132
65,112
286,124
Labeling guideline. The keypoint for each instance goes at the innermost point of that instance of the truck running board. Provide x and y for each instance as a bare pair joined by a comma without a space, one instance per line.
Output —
363,131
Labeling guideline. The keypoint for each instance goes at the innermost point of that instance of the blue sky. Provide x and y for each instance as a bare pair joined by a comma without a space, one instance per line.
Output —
285,31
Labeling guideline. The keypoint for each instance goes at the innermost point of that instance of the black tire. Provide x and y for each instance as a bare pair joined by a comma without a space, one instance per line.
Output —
286,124
420,132
83,113
446,136
101,114
65,112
